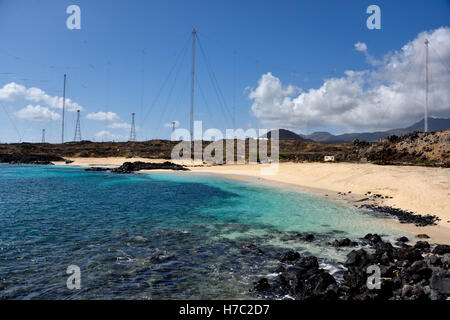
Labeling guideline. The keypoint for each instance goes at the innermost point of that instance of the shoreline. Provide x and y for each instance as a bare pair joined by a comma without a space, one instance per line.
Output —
397,187
437,233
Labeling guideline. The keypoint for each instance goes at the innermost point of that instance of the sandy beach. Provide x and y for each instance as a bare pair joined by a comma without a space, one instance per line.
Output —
423,190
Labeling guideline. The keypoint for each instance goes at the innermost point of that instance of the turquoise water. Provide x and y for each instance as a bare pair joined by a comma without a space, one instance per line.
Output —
155,236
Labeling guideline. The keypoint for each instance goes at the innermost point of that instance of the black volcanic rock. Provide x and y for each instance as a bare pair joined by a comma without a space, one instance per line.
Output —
441,282
97,169
129,167
289,256
45,159
252,247
441,249
409,254
372,238
344,243
405,275
422,245
404,216
309,262
309,237
357,258
262,285
403,239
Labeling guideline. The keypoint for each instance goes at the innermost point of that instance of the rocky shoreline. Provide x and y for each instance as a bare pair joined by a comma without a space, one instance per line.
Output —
131,167
42,159
406,272
404,216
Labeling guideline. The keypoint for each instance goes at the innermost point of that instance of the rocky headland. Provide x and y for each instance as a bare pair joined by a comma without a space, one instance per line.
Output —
42,159
130,167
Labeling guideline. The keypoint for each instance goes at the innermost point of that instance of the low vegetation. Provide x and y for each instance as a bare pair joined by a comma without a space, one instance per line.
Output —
430,149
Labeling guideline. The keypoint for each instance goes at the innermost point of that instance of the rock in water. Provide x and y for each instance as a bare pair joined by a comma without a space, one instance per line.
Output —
130,167
252,247
344,243
290,256
97,169
262,285
373,238
356,258
308,263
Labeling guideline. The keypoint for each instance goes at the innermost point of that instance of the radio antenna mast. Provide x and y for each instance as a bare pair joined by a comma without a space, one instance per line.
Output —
77,136
63,107
194,35
426,86
133,129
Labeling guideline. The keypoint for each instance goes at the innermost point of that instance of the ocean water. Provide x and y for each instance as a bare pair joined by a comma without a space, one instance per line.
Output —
158,235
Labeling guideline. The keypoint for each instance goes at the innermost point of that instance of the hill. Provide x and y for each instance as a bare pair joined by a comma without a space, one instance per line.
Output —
416,148
284,134
434,124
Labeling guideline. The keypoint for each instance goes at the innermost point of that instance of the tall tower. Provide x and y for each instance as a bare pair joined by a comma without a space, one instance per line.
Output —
77,136
173,126
425,119
194,35
43,135
133,129
63,109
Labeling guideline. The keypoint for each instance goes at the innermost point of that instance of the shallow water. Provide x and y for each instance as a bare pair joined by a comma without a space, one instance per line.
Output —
156,236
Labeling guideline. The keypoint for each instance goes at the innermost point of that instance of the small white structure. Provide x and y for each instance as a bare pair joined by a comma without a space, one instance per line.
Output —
328,159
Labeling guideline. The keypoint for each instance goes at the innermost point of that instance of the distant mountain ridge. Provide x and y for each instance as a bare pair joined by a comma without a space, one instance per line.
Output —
284,134
434,124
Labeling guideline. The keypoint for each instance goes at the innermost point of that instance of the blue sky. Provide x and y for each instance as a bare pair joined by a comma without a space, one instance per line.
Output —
125,50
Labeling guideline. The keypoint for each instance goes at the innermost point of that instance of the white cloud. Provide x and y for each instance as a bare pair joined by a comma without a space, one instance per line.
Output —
13,91
389,96
114,121
170,124
37,113
103,116
361,46
105,135
120,125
